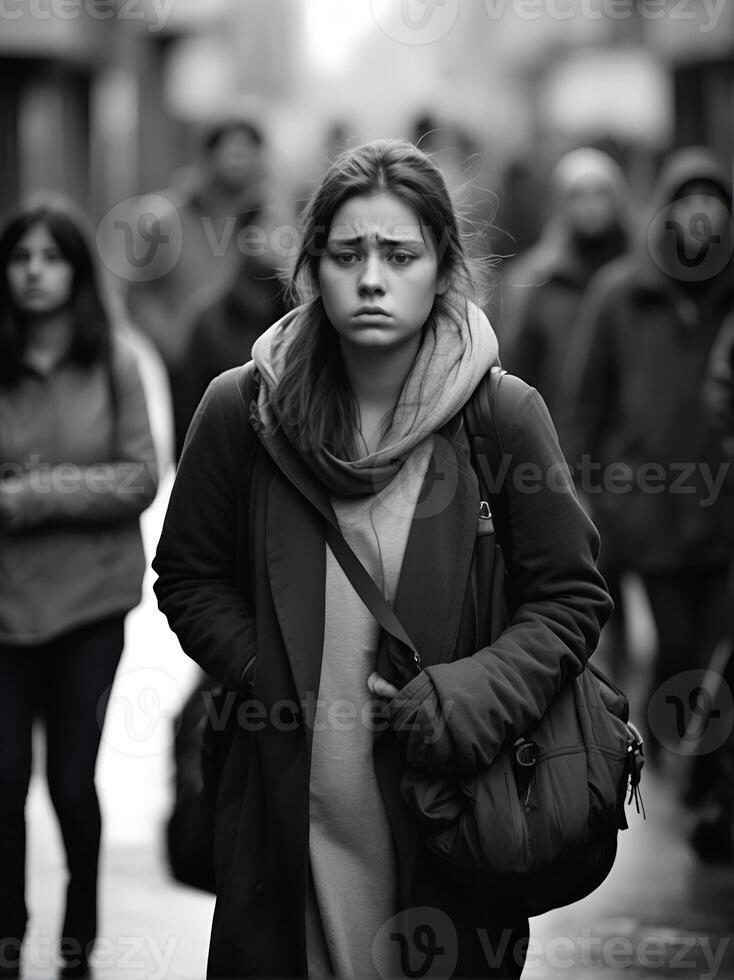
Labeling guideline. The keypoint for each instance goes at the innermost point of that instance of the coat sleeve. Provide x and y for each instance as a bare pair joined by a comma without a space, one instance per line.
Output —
718,390
456,716
108,492
198,588
525,354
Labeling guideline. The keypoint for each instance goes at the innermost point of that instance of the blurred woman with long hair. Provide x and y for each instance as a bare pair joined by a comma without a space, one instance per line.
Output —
78,467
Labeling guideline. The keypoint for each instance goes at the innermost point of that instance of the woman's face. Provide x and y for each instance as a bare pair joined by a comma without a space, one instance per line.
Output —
379,274
39,276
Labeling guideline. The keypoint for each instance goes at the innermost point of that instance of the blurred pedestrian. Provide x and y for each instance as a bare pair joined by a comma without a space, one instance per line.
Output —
656,473
188,236
225,324
521,211
78,467
349,421
713,833
544,287
542,294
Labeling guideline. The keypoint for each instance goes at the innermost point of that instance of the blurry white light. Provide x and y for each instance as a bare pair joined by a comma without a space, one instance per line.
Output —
200,73
622,92
333,29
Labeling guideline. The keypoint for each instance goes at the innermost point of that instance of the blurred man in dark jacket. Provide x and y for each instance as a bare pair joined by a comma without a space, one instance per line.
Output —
224,324
713,834
188,236
654,471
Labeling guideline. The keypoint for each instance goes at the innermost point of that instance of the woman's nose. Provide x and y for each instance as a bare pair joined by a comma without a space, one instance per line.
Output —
35,264
372,279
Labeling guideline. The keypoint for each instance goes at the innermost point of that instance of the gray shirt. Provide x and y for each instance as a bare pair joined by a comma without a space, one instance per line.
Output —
353,887
80,472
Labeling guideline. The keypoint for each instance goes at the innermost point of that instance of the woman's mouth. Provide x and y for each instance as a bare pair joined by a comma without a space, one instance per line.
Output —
371,311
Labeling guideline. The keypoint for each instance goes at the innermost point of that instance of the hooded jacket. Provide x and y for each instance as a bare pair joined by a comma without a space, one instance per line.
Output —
637,433
241,570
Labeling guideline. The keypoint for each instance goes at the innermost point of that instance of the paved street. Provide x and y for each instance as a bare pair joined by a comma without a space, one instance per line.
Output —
660,914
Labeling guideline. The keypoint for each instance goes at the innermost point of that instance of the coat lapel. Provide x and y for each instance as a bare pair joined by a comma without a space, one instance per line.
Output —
296,564
296,561
442,538
439,550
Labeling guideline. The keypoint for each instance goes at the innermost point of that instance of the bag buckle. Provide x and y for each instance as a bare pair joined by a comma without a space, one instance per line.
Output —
636,756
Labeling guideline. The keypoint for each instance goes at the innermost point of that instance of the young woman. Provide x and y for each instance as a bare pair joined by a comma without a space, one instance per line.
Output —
77,468
356,418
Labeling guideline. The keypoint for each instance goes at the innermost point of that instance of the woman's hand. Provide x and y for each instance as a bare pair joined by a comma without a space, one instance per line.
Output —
382,688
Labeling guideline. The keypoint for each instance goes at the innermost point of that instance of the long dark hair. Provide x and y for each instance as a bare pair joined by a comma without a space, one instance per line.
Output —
313,401
91,337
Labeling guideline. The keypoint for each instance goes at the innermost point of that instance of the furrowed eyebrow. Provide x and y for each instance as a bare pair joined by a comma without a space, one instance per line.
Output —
394,242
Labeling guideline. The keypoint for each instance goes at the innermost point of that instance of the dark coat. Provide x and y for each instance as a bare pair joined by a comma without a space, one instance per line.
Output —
637,375
543,290
719,387
224,324
241,565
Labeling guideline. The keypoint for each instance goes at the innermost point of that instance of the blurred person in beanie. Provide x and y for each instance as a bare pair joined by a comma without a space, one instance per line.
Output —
542,293
186,237
636,373
542,289
78,469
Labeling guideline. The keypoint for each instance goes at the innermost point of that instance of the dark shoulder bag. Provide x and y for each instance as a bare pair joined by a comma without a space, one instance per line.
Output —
539,826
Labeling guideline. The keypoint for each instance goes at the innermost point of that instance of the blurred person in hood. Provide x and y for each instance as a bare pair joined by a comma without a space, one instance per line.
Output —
661,487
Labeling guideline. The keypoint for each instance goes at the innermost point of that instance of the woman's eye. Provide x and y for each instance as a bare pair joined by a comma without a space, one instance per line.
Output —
346,258
402,258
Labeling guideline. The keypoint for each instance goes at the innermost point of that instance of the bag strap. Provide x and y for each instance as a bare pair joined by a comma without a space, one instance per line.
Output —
360,578
480,413
368,590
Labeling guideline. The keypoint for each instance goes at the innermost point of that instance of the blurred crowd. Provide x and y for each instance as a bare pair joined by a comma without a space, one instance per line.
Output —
620,312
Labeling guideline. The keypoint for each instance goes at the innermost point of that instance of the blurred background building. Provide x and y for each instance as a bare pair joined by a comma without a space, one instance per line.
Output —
105,98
